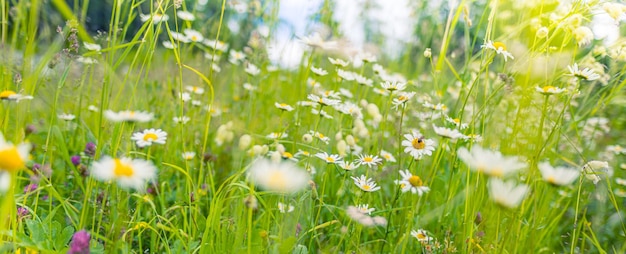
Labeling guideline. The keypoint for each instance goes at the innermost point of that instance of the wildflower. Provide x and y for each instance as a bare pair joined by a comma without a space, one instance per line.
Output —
155,18
284,177
616,149
559,175
620,181
492,163
402,98
417,146
499,47
86,60
593,169
9,95
236,56
413,183
346,75
252,69
542,32
365,183
473,137
224,134
393,86
549,90
75,160
185,15
315,41
188,155
457,123
193,35
387,156
283,208
283,106
13,158
216,45
428,53
129,173
329,158
507,194
307,138
362,216
347,166
369,160
66,117
80,243
320,136
447,132
319,71
181,119
92,46
168,45
439,106
277,135
338,62
331,94
363,80
349,108
128,116
585,74
366,57
421,236
583,35
251,202
245,141
364,209
323,101
179,37
93,108
90,149
194,89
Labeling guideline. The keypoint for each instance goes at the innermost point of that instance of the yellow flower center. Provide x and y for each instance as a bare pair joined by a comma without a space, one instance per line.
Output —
150,137
551,180
283,105
368,159
418,143
277,180
287,155
6,94
122,169
320,135
10,159
497,172
195,89
366,187
499,45
415,181
194,38
547,89
330,159
402,98
420,236
456,120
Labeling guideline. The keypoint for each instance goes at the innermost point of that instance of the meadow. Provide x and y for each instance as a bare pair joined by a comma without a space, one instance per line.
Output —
170,127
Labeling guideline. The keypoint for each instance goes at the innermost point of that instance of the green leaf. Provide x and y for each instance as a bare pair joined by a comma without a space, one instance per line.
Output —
287,245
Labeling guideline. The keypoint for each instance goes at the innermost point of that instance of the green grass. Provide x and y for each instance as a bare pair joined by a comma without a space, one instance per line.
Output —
204,205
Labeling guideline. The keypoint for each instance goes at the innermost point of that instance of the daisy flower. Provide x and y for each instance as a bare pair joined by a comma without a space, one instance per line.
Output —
66,117
417,146
348,166
127,172
169,45
402,98
421,236
549,90
193,35
184,96
616,149
364,209
362,217
194,89
369,160
181,119
92,46
413,183
338,62
283,208
393,86
366,57
365,183
473,137
438,107
319,71
350,108
331,94
9,95
499,47
324,101
584,74
447,132
13,158
235,56
252,69
363,80
329,158
346,75
128,116
176,36
387,156
185,15
593,169
189,155
315,40
217,45
320,136
282,177
492,163
507,194
277,135
149,136
558,176
155,18
283,106
456,122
